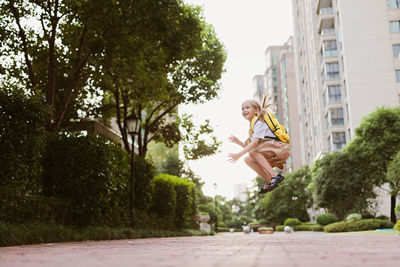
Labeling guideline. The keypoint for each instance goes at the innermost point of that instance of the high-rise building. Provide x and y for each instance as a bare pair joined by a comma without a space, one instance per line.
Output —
280,83
347,56
347,65
240,192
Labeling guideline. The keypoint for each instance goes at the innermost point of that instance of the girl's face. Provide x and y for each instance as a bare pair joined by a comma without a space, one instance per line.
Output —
249,111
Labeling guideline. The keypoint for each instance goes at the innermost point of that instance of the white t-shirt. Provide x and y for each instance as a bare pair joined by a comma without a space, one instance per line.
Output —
262,130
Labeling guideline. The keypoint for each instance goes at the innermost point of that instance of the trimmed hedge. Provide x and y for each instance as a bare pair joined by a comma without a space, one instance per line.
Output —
360,225
172,201
25,234
397,226
292,221
312,227
326,218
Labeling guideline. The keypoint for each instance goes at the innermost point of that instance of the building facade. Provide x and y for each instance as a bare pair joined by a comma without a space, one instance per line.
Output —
280,83
347,64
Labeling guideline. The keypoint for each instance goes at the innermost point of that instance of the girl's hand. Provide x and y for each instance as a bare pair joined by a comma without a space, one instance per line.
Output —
234,139
233,157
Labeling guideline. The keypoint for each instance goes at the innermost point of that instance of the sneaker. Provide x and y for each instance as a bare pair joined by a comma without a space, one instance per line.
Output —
276,181
264,190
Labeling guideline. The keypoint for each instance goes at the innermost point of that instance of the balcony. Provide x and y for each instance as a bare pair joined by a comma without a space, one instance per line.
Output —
328,31
323,4
326,21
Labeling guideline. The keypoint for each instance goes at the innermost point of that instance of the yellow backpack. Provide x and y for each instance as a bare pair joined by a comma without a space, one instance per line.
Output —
272,122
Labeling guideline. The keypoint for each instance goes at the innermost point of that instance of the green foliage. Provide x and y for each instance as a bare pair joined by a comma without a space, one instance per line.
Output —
262,221
22,145
337,187
359,225
173,166
24,234
292,222
277,205
144,174
164,198
327,218
353,217
309,227
375,146
397,210
397,226
173,200
382,217
85,180
393,174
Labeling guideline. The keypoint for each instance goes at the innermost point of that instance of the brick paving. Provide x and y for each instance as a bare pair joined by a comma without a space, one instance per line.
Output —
238,249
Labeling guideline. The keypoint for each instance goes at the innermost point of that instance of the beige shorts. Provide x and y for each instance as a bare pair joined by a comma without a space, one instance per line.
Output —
276,152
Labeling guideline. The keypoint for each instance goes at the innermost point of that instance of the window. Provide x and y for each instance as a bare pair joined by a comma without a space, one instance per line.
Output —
395,26
334,93
338,140
329,48
274,71
398,76
393,4
335,117
396,51
332,71
275,80
275,89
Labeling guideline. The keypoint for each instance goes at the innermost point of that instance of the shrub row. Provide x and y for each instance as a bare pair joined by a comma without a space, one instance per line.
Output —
303,227
173,201
24,234
358,225
326,218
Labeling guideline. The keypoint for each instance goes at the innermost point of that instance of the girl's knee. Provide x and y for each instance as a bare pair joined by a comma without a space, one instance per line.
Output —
248,160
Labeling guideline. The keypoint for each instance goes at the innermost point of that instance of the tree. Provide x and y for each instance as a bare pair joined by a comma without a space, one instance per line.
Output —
47,47
151,79
337,187
376,143
393,175
276,206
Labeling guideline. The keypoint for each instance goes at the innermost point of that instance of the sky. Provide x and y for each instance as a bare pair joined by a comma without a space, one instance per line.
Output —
246,28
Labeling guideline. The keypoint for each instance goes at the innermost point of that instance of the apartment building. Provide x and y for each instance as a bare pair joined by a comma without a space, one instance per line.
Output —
279,80
347,62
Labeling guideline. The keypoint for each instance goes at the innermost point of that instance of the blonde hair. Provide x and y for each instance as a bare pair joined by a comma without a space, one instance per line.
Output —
265,107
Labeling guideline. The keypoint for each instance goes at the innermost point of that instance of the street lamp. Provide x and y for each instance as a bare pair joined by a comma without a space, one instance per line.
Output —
215,207
132,124
294,212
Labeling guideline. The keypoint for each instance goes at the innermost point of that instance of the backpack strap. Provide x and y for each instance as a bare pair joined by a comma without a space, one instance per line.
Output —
253,121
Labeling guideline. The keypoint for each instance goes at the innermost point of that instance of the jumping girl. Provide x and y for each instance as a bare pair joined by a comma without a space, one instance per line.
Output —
265,149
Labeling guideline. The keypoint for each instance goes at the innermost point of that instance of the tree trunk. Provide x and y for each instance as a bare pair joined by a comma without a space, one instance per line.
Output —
392,206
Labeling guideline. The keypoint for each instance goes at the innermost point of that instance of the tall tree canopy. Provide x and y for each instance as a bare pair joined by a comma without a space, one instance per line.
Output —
376,143
149,80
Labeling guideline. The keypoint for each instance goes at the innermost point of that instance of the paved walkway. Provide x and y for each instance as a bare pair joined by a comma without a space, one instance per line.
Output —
238,249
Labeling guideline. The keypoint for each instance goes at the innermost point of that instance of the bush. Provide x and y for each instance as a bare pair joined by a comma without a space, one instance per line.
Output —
303,227
397,226
382,217
172,199
24,234
86,181
359,225
353,217
292,221
262,221
310,227
327,218
397,210
22,144
221,224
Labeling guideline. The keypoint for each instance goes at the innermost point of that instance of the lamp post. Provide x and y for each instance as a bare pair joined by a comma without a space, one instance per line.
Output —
132,123
294,211
215,207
